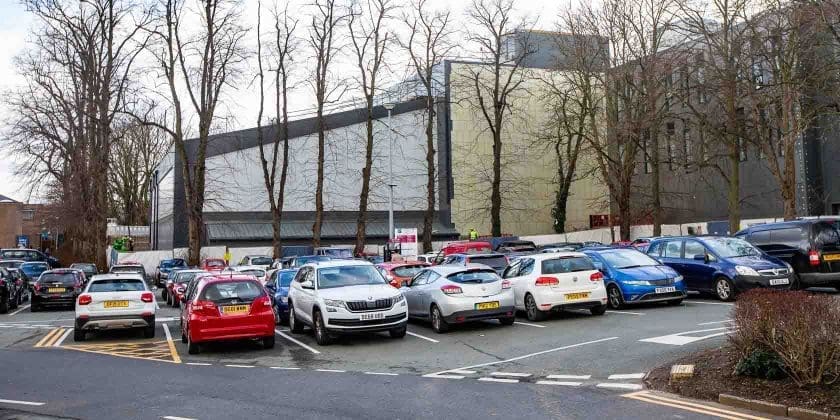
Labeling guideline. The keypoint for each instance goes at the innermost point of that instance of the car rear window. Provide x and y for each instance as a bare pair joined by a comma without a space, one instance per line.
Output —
215,263
261,261
117,285
286,278
64,278
17,254
407,270
127,269
567,265
477,277
826,235
245,291
255,273
495,261
10,264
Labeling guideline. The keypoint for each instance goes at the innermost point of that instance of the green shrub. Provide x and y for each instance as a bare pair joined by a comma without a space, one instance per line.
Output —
761,364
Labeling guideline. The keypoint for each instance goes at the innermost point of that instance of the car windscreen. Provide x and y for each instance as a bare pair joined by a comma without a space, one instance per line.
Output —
495,261
243,291
316,258
117,285
627,258
338,252
255,273
261,261
63,278
407,270
127,269
215,264
185,277
476,277
354,275
10,264
171,263
826,235
567,265
34,267
20,254
731,247
84,267
285,278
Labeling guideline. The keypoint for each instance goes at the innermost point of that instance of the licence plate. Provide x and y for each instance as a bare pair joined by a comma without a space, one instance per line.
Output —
778,282
487,305
670,289
236,309
55,290
577,296
116,304
831,257
373,315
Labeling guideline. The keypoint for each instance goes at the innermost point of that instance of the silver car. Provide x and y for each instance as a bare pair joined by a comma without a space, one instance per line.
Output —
449,295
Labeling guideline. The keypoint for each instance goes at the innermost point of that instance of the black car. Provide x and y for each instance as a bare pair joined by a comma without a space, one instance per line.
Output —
28,255
12,290
811,247
516,246
89,269
58,287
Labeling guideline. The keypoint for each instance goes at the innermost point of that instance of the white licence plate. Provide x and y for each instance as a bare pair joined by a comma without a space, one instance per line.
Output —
669,289
375,315
778,282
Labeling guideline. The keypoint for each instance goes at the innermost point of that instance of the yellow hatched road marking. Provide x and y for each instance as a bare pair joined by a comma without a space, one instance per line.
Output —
50,338
161,351
648,397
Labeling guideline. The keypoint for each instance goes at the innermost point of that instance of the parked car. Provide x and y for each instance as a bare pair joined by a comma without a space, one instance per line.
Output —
398,273
213,265
226,308
28,255
495,261
721,265
34,269
165,268
345,296
258,271
554,282
565,246
463,247
447,295
263,261
177,284
11,263
12,290
335,252
89,269
58,287
632,277
811,247
427,258
517,245
374,259
300,261
115,301
129,267
278,285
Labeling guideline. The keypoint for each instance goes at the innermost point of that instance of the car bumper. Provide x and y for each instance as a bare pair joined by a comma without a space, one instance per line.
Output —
820,279
114,322
477,315
349,322
258,329
643,294
54,300
557,299
743,283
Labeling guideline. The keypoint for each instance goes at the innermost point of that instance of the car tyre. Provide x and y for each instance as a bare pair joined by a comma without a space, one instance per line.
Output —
614,297
532,311
268,342
149,332
438,323
322,337
183,338
164,295
508,321
724,289
33,307
295,326
4,304
675,302
79,335
192,348
598,310
13,303
398,332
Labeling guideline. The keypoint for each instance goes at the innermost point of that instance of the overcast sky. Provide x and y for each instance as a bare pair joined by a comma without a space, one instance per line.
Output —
15,24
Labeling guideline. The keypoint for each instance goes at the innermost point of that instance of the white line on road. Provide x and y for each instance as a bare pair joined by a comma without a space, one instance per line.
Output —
156,304
177,418
625,313
21,402
240,366
287,337
19,310
38,320
632,387
435,375
727,321
331,370
681,339
692,302
511,374
199,364
571,346
462,372
166,331
166,319
501,380
529,325
422,337
584,377
626,376
560,383
381,373
63,337
284,368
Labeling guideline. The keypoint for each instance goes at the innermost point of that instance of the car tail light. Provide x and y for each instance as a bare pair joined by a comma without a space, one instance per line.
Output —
596,276
147,297
206,307
451,289
180,289
505,284
547,281
85,299
395,284
261,302
814,257
37,287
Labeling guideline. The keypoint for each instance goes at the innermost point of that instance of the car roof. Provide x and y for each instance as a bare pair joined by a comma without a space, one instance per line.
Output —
110,276
551,255
63,270
486,254
18,261
247,267
446,270
258,256
340,263
225,278
128,265
34,263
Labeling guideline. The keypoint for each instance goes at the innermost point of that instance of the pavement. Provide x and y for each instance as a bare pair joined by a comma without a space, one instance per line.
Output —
573,365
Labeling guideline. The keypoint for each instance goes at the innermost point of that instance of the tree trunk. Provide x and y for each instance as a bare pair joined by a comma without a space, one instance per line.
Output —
319,186
361,221
428,217
194,226
656,180
277,248
496,194
734,198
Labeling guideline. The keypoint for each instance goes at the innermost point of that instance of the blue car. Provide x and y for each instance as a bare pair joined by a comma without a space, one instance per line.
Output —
278,284
33,269
165,268
632,277
721,265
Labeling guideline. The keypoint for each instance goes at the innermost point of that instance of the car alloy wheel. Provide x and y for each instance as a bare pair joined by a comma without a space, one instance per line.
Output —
438,323
531,310
321,335
723,289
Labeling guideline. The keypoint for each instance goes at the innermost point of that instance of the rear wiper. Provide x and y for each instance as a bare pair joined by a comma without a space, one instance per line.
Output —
472,281
630,266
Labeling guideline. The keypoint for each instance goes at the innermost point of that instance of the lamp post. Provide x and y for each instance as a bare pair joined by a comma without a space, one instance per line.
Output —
389,106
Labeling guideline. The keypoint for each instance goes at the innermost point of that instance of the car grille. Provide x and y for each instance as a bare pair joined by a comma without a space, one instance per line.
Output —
369,322
372,305
657,296
662,282
774,272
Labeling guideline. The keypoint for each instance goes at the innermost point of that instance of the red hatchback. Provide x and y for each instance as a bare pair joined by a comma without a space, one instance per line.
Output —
225,308
213,265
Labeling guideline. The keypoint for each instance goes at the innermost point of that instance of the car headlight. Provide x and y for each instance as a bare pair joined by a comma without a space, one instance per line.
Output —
678,279
284,299
334,303
638,282
789,267
745,271
398,298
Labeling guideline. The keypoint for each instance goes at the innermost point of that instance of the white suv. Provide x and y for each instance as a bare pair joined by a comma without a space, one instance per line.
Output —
115,301
345,296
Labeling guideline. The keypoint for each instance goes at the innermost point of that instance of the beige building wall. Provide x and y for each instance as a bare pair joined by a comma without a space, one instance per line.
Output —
529,166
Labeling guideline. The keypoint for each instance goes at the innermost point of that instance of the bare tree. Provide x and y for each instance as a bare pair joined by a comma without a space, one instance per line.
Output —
283,48
370,39
135,152
429,42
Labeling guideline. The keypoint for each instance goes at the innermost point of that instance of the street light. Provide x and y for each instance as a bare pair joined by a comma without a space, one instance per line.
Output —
389,106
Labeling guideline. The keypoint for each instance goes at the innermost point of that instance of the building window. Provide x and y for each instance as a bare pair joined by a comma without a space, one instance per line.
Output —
672,150
687,146
28,214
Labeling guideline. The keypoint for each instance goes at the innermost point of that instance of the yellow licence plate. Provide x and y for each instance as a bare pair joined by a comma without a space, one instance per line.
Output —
116,304
56,290
236,309
487,305
831,257
577,296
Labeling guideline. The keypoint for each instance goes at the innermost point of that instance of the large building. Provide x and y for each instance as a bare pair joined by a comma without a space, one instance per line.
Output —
28,225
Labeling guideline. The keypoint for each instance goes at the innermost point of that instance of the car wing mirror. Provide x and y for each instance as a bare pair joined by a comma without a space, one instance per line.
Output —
703,257
307,285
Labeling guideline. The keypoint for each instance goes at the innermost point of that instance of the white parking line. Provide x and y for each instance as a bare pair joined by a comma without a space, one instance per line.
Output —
681,339
632,387
462,372
571,346
727,321
692,302
559,383
529,325
240,366
331,370
381,373
438,376
422,337
63,337
199,364
583,377
177,418
284,368
626,376
625,313
21,402
19,310
287,337
502,380
166,331
511,374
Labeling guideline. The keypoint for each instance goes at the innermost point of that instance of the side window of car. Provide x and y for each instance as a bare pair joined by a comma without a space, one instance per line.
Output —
672,249
299,277
433,277
759,238
788,236
527,267
655,249
693,249
512,270
420,278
